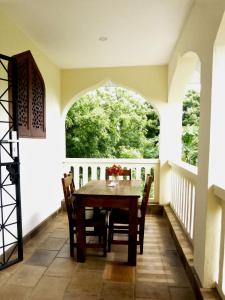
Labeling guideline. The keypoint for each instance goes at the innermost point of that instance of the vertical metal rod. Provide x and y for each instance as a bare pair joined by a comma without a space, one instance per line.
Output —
16,159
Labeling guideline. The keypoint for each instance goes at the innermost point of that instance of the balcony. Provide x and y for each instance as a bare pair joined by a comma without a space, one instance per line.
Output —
153,53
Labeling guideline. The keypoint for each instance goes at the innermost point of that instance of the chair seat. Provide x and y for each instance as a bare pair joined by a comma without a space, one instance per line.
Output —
89,213
122,216
92,220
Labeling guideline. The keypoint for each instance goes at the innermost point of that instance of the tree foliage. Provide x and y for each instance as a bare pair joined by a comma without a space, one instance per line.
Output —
112,122
190,122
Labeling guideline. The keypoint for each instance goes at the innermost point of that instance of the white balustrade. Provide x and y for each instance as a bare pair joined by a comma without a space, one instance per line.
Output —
220,193
183,183
86,169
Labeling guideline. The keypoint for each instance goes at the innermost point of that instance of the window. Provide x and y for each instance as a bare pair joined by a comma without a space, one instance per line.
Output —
31,96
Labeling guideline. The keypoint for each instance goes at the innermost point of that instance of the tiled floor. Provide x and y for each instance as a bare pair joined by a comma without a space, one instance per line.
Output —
48,272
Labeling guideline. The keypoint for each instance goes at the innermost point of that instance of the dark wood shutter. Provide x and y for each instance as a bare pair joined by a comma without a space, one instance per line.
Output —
31,97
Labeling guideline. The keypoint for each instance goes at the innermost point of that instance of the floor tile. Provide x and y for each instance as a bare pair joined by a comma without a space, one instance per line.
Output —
37,239
71,296
119,272
63,267
42,257
85,283
177,277
50,288
14,292
151,269
4,276
92,263
27,275
52,244
181,293
152,278
60,233
171,258
152,292
117,291
65,251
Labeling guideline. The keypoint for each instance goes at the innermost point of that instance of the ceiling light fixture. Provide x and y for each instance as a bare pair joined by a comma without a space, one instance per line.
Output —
103,38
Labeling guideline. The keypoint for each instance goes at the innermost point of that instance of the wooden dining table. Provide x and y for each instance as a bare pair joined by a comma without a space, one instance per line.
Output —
101,193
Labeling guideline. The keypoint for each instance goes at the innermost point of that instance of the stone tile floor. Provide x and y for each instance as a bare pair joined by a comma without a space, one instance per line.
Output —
48,272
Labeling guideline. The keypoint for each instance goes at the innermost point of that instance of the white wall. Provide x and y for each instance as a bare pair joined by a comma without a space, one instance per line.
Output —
40,158
198,36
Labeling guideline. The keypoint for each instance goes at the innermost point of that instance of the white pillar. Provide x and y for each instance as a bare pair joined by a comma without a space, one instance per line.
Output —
206,233
170,144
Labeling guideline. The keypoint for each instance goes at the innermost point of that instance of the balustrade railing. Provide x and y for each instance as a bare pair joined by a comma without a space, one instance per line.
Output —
183,183
220,193
86,169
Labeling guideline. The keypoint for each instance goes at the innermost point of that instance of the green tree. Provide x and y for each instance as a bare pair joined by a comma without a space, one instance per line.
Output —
112,122
190,122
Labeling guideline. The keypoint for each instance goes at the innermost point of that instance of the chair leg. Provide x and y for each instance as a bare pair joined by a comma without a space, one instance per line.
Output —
110,236
72,243
105,241
99,238
141,237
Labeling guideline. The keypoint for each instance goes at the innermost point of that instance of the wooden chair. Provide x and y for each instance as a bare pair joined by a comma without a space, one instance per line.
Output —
119,220
96,221
126,174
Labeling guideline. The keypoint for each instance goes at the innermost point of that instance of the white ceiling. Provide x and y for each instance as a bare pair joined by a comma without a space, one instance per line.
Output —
139,32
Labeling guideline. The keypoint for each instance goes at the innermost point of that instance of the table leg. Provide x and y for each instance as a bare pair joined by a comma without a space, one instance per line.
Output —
132,241
80,228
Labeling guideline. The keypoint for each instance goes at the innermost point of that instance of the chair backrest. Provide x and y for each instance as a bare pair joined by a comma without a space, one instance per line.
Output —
125,174
146,194
68,189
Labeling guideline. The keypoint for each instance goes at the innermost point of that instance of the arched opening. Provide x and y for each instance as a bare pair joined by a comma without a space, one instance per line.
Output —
112,122
218,107
184,100
217,160
191,118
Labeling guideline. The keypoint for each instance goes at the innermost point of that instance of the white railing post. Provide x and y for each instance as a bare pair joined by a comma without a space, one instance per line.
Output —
222,241
85,174
76,176
219,192
102,172
94,172
156,183
138,172
192,210
183,182
186,203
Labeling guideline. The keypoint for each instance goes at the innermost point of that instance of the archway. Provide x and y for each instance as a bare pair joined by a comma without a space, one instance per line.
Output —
109,85
120,123
186,77
126,130
217,144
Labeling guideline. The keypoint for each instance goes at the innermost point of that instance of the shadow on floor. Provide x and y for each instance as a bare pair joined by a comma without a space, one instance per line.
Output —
48,272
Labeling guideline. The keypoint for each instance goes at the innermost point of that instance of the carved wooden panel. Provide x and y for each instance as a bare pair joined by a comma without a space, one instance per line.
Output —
23,96
37,102
31,97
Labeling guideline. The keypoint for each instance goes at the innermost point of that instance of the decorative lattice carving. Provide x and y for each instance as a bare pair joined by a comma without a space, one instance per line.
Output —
23,94
37,101
31,97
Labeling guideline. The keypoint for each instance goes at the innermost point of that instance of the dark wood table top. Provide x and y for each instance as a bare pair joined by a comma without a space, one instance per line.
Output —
126,188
